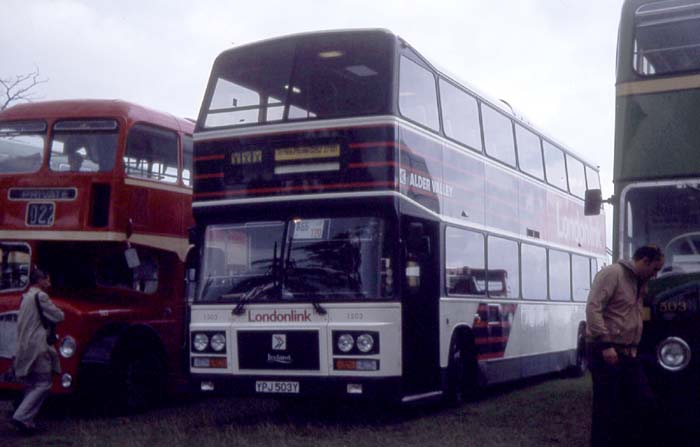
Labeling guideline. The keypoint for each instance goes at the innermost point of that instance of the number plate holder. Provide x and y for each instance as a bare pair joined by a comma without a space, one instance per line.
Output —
276,387
40,214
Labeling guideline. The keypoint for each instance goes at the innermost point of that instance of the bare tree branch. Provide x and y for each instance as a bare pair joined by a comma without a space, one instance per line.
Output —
19,88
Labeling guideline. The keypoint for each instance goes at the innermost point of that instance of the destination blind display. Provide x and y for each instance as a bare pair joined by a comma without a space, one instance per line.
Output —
42,194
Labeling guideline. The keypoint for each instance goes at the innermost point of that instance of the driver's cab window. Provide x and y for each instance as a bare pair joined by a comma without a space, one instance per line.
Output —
682,254
14,266
112,270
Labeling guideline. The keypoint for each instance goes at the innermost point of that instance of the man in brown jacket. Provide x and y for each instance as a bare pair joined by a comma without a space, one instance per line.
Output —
622,398
36,361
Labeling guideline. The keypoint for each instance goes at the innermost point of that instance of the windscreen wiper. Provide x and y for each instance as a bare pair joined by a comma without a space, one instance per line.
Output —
252,294
260,289
317,307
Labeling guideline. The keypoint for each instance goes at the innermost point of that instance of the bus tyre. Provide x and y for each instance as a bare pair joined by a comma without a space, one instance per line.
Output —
462,385
579,368
141,377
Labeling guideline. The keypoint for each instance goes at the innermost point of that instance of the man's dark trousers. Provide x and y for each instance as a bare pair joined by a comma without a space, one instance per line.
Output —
623,402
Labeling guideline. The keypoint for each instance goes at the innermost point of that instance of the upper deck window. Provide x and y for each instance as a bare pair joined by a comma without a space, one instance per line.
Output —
555,165
667,38
577,177
21,146
417,94
84,145
498,135
151,153
592,178
460,115
529,152
309,77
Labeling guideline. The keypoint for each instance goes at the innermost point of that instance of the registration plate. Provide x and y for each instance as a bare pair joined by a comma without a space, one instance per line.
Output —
270,386
40,214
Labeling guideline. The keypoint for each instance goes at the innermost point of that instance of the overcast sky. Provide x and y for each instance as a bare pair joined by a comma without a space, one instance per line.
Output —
553,60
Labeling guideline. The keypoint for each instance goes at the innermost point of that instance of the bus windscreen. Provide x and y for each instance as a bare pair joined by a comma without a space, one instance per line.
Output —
300,79
301,259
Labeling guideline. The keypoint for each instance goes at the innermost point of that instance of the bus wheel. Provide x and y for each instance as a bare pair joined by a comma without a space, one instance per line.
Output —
579,368
462,382
141,379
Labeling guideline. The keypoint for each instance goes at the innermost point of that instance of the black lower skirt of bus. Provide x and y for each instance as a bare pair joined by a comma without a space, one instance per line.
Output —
311,387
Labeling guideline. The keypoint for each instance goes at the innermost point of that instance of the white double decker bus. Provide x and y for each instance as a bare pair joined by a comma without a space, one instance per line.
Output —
369,226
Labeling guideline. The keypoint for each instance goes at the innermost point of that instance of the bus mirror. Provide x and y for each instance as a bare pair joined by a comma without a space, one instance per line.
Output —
594,200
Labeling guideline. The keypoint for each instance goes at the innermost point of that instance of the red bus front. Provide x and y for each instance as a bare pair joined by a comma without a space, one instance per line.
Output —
83,184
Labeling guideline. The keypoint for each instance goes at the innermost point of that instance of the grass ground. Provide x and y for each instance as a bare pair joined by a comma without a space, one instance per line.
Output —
547,412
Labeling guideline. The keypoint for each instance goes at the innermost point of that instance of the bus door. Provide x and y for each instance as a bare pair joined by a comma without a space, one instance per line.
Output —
420,337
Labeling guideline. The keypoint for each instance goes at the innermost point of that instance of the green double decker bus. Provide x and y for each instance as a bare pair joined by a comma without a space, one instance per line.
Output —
657,181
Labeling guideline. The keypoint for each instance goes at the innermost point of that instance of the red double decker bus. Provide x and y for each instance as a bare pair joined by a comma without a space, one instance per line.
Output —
98,193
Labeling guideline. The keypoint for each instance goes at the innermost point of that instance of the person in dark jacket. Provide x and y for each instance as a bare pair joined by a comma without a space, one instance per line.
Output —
622,398
36,361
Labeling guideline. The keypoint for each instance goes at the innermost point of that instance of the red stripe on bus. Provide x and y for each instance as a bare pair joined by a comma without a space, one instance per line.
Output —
372,144
209,157
380,144
372,164
490,340
206,176
293,188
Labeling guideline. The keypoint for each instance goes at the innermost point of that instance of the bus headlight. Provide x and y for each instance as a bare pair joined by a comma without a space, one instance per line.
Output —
346,343
218,342
200,342
67,347
673,354
365,343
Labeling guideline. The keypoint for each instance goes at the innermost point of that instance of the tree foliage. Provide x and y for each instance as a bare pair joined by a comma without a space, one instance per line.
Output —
21,87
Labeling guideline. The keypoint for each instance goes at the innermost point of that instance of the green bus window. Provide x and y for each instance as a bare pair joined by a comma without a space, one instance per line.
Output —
667,39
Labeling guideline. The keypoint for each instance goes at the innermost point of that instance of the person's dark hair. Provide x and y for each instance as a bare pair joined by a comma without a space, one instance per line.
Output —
651,252
37,275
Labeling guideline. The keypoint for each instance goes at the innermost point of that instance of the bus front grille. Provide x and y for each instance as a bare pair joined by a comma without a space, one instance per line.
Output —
278,350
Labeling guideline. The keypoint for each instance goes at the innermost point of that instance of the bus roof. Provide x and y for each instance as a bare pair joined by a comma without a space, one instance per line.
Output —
80,108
